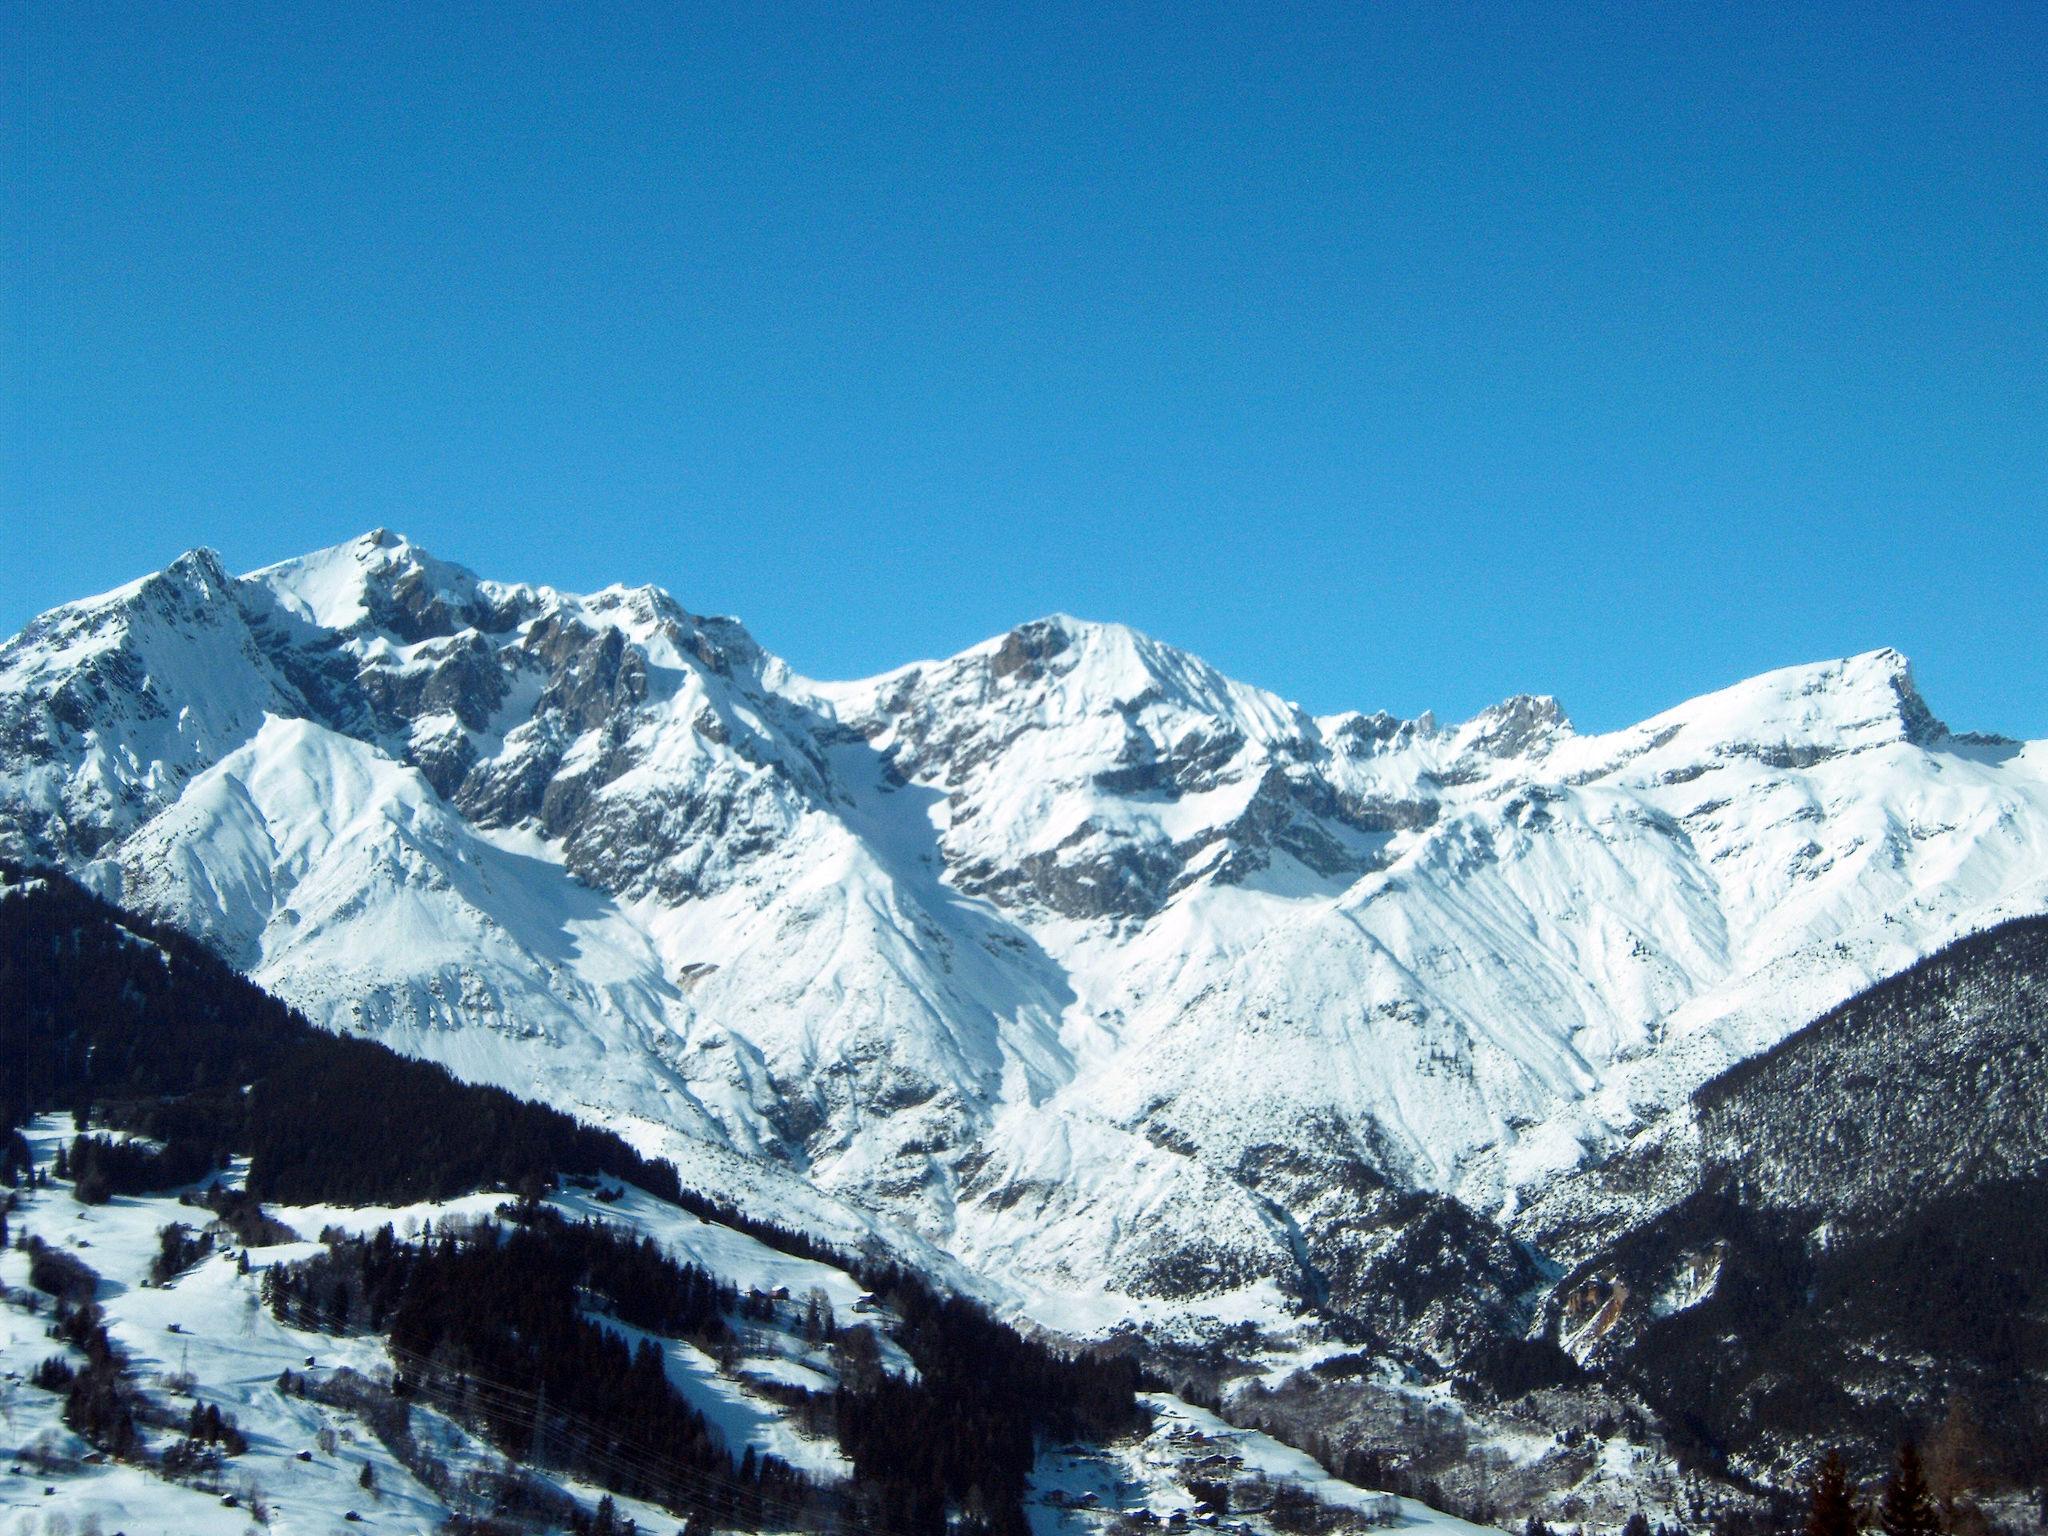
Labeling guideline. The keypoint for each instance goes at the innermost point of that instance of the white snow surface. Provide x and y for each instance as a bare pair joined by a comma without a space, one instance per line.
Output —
1016,957
1082,1491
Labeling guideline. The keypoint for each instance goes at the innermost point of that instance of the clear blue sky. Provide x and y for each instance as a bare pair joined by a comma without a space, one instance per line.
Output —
1385,354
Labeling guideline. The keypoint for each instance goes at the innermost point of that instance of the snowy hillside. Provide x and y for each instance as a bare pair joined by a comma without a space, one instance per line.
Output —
205,1338
1134,988
313,1430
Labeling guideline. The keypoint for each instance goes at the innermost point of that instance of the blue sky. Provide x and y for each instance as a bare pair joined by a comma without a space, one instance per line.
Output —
1392,355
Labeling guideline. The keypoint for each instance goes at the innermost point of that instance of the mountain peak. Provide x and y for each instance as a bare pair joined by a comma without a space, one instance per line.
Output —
1794,715
202,565
1025,649
384,581
1866,697
1107,668
1517,726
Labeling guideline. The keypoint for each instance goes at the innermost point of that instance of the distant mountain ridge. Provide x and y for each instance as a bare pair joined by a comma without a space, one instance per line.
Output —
1139,990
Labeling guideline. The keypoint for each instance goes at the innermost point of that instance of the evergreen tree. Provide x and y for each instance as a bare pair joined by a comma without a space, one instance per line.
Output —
1638,1524
1907,1508
1959,1456
1831,1511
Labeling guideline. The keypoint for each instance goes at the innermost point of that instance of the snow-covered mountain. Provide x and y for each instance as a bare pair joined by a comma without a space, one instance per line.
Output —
1138,989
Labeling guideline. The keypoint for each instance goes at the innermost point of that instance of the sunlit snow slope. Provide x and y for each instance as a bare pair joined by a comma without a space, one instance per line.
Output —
1088,963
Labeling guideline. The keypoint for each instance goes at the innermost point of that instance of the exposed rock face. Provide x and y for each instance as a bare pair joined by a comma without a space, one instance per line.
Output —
1097,967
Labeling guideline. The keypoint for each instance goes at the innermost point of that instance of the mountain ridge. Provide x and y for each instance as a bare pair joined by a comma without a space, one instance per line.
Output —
1068,953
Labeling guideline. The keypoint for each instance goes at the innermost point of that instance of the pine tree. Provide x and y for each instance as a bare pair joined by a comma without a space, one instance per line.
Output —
1907,1509
1831,1511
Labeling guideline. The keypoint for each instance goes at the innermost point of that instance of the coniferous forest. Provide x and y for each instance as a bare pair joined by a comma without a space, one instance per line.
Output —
495,1321
544,1333
112,1015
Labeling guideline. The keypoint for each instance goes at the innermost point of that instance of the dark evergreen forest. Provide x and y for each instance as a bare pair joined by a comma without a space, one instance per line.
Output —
538,1330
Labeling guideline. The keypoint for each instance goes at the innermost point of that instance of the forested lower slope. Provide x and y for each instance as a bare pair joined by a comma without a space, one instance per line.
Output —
1862,1250
135,1030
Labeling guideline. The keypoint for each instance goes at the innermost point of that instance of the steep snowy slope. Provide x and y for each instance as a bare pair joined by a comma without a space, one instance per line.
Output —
1091,965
